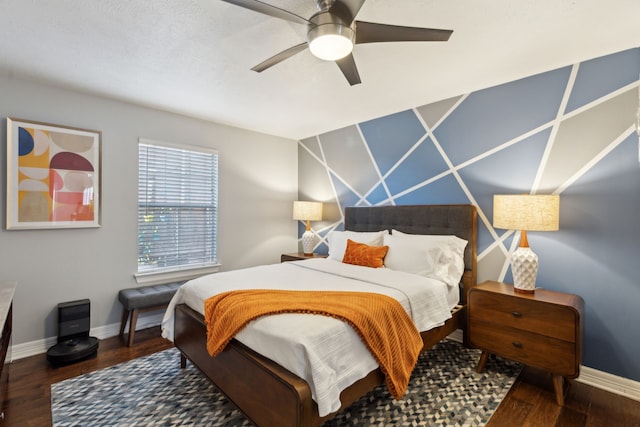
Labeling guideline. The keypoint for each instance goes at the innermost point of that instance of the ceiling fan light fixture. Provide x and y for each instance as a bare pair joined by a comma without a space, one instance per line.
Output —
331,41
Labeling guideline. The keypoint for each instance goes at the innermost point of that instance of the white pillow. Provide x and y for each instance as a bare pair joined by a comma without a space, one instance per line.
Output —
412,256
451,260
338,241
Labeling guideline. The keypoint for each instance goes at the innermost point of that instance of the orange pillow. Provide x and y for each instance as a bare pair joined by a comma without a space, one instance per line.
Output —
361,254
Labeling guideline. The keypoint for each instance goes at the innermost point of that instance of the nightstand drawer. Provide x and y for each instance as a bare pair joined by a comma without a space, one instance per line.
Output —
554,355
541,318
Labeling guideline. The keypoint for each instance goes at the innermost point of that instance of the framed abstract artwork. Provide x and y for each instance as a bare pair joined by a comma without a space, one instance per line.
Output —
53,176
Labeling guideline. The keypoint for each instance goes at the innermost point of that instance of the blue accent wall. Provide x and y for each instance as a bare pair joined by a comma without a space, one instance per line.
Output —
570,131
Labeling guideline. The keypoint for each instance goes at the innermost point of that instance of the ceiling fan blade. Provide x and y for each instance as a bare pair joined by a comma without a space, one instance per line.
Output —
348,67
346,9
368,32
267,9
275,59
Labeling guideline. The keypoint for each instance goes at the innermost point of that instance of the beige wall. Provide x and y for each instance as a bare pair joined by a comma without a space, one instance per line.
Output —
258,182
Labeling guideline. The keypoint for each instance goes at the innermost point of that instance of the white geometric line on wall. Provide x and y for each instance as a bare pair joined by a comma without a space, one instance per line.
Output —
311,153
470,196
322,240
562,116
330,173
405,156
504,145
456,175
381,180
391,197
607,97
323,162
555,126
448,113
499,243
420,185
593,130
438,146
595,160
348,186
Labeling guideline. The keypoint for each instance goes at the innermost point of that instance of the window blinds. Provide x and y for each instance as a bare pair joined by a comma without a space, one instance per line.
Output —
177,207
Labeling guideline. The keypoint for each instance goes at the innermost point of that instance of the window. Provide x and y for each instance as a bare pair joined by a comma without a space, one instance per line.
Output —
177,208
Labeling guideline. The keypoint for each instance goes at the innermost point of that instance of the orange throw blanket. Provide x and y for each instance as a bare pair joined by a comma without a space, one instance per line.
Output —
381,322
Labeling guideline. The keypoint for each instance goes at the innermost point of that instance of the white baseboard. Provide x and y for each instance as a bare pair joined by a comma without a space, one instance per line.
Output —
20,351
609,382
599,379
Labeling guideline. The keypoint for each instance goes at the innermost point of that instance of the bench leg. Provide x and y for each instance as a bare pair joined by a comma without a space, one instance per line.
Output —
123,322
132,326
183,361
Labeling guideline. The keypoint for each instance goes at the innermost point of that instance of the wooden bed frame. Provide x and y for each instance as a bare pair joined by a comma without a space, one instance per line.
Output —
270,395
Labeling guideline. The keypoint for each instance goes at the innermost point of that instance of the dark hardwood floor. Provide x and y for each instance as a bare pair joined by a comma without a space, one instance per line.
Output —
530,402
29,396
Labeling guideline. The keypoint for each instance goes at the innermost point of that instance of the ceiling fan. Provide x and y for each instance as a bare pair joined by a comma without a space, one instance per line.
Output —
333,31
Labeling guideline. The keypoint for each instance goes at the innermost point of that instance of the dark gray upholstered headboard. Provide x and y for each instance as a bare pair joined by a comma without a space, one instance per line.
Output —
420,219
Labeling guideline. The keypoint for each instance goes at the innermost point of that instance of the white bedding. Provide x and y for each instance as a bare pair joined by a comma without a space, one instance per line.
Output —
326,352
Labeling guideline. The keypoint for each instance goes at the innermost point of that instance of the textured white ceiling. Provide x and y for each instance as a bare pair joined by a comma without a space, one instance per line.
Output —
194,56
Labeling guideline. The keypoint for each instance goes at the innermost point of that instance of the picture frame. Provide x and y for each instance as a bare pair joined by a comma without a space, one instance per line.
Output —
53,176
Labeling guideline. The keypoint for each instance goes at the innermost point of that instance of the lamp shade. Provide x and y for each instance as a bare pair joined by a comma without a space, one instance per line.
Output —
307,211
531,212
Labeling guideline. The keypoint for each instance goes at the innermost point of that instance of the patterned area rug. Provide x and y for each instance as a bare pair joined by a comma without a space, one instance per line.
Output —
153,391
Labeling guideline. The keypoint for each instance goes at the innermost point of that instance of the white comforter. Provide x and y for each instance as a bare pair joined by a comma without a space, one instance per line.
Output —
326,352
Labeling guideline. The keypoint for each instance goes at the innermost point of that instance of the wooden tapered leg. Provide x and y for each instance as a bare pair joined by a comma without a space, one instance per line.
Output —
123,322
558,386
483,361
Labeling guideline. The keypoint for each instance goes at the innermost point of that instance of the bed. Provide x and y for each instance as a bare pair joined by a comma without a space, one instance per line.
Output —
271,395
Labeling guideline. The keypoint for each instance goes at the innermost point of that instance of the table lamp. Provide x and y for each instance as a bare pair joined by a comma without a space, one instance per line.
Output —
525,212
307,211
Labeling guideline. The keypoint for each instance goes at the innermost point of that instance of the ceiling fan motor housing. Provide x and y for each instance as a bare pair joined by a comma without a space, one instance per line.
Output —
323,26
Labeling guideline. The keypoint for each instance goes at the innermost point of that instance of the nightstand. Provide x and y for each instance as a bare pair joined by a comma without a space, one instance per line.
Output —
298,256
543,329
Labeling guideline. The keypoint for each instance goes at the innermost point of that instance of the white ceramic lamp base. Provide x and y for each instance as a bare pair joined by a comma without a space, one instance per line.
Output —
307,242
524,266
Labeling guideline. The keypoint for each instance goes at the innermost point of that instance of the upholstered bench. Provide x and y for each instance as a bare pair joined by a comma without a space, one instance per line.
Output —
145,298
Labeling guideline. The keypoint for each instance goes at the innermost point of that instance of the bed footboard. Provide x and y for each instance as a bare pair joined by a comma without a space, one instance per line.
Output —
266,393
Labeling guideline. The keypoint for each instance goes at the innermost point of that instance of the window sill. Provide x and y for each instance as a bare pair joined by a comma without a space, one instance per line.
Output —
158,277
